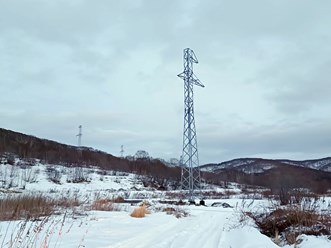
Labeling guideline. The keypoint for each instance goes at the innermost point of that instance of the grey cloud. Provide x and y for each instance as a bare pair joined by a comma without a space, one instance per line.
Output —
112,66
301,82
296,138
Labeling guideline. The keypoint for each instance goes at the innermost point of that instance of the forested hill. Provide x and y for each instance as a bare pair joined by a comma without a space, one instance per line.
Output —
51,152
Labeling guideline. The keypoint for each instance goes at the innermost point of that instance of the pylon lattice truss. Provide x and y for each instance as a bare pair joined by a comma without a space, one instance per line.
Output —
79,135
190,177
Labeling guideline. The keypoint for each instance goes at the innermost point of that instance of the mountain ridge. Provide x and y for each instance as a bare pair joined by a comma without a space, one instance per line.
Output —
273,174
322,164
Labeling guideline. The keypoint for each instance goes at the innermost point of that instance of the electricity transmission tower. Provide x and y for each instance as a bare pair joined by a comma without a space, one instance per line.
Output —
122,151
190,177
79,135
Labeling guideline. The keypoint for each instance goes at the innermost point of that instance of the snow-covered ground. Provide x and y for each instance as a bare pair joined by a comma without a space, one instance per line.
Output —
205,226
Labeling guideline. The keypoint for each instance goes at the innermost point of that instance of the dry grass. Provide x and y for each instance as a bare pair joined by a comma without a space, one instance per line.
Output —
102,205
107,204
67,202
25,207
140,212
291,221
17,207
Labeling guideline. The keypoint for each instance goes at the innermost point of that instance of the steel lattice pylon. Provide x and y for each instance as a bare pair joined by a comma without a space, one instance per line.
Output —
190,178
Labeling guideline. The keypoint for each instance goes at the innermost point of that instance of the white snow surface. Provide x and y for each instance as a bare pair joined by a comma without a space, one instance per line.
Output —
204,227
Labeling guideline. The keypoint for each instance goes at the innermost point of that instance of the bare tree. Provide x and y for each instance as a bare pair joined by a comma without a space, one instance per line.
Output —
141,154
54,174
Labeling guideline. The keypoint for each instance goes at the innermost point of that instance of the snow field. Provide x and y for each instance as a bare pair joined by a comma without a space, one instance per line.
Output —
205,227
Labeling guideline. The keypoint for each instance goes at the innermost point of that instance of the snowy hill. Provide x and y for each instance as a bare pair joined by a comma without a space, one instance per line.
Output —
267,173
259,165
16,145
209,226
274,174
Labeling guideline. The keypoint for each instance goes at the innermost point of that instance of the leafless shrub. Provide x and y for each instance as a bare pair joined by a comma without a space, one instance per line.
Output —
293,220
213,194
102,205
177,212
13,177
299,195
66,202
155,182
284,196
174,195
30,175
116,173
118,199
78,175
229,193
268,194
54,175
289,196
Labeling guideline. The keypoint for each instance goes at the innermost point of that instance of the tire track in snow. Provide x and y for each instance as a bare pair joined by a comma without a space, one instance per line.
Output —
203,229
207,233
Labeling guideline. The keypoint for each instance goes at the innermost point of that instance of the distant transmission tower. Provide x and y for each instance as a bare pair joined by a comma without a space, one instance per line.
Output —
122,151
190,178
79,135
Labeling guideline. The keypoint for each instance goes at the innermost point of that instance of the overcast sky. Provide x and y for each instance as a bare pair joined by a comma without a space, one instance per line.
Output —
111,66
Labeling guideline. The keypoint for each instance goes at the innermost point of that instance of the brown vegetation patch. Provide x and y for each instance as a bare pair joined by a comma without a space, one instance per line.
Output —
293,221
108,204
118,199
16,207
13,207
140,212
102,205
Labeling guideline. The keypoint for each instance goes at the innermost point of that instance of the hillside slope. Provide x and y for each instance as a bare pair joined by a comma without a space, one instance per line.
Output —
256,165
27,147
313,174
273,174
